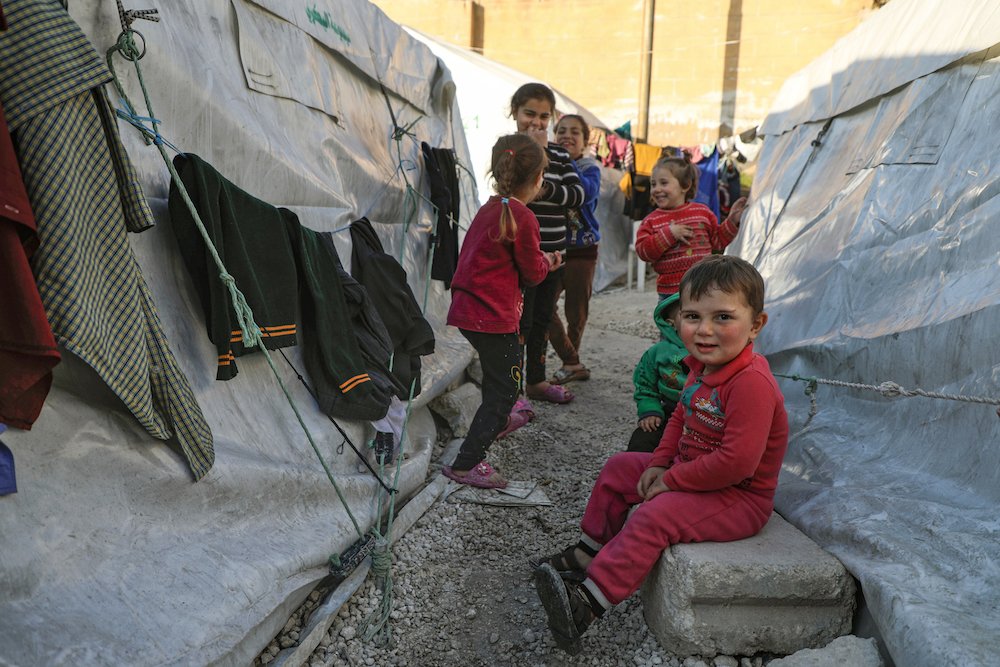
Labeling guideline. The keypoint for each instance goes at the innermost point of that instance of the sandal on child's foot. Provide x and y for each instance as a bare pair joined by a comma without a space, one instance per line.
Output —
566,562
566,606
566,375
554,393
482,475
514,421
523,406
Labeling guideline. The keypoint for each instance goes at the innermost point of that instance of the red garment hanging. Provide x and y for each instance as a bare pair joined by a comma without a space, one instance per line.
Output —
27,347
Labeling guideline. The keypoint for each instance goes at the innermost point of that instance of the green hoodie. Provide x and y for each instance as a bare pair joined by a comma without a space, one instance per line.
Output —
660,374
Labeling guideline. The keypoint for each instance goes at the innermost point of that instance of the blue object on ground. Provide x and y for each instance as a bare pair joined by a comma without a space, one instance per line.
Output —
8,483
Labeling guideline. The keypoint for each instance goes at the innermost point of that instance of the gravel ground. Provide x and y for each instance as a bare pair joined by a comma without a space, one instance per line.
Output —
462,585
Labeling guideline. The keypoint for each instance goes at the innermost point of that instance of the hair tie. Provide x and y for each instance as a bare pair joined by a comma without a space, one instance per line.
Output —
505,200
509,151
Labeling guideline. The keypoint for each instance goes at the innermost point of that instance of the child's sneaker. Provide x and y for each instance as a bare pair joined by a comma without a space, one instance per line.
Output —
569,610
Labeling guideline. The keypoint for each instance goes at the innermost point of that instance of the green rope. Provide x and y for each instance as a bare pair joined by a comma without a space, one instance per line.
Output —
251,332
377,627
888,389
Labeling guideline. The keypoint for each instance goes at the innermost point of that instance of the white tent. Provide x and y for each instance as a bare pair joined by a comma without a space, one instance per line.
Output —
873,220
109,553
484,89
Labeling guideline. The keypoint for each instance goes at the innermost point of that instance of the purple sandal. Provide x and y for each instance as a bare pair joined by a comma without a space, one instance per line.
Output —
479,476
523,405
515,421
555,393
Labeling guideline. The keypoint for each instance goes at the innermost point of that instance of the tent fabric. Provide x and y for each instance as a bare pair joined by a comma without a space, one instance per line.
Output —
874,226
108,541
917,36
484,89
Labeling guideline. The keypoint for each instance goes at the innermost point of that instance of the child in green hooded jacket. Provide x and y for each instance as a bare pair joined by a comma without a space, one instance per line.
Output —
659,377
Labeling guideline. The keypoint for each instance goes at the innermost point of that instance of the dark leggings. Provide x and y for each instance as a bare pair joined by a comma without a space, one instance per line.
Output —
646,441
500,357
539,306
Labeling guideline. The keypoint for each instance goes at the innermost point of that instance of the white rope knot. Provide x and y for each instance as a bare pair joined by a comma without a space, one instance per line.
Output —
891,390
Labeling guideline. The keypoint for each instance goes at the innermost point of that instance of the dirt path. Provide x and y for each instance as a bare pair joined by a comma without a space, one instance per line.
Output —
462,584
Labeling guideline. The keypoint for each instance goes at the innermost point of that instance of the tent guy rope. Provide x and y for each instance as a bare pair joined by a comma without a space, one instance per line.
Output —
888,389
126,47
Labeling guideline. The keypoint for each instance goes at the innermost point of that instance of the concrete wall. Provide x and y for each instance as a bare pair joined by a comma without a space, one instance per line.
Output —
717,64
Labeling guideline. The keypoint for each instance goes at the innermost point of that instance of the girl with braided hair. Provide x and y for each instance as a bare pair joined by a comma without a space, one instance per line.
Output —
532,107
500,255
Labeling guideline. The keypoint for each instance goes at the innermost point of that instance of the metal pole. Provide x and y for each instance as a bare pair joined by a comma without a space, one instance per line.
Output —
645,69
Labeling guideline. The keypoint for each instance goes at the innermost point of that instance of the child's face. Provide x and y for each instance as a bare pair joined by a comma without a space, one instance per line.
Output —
717,326
665,190
569,135
533,115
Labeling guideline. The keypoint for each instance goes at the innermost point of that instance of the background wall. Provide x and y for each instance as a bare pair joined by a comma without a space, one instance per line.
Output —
717,64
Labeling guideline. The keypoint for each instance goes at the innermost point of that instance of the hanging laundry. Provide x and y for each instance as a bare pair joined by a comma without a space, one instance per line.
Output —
251,238
389,431
599,145
85,195
442,171
27,347
281,268
635,184
385,280
618,150
708,179
346,346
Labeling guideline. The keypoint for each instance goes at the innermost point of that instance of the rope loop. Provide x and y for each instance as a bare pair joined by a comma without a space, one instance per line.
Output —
127,47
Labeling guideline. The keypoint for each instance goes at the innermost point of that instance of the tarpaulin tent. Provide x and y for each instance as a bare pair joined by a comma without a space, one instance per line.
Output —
484,89
109,552
874,221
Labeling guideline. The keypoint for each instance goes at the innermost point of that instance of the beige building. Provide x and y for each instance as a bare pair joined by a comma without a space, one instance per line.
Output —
715,65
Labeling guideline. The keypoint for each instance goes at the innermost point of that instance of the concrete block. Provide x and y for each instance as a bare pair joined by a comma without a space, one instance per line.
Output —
848,650
458,407
776,592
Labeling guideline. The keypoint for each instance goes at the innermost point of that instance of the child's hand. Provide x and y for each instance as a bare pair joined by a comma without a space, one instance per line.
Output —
682,233
555,259
656,488
541,137
648,479
736,210
650,423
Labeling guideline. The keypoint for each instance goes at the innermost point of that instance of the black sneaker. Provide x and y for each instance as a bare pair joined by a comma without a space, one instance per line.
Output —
567,607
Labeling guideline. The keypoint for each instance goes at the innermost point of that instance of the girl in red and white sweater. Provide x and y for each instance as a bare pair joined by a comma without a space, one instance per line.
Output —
500,254
680,232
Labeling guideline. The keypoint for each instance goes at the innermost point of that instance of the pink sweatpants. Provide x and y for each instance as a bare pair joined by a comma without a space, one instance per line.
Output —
631,549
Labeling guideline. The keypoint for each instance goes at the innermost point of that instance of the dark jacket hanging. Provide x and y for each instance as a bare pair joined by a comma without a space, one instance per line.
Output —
442,173
251,239
385,281
281,268
334,302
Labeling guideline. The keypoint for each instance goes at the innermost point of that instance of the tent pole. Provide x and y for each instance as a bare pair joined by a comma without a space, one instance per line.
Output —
645,68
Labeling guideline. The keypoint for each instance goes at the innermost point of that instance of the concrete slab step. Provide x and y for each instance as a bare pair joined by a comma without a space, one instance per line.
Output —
776,592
